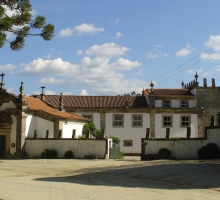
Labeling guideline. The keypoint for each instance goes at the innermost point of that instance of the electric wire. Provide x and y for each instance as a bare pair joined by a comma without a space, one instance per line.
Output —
185,64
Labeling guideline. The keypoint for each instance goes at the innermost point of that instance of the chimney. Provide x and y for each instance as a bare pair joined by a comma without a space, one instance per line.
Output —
42,94
213,82
204,82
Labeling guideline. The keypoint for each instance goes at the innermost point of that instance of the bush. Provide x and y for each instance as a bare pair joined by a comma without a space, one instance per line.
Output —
86,130
165,152
91,127
210,151
115,140
121,155
68,154
49,154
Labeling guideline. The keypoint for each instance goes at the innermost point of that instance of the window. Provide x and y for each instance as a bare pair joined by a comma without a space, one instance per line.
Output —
118,120
167,121
166,104
185,121
88,116
127,143
184,103
137,120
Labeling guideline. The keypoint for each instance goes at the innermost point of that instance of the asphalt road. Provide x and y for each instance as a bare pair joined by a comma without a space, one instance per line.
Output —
109,179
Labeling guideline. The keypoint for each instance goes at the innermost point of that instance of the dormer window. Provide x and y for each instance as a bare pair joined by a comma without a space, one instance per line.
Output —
184,103
166,103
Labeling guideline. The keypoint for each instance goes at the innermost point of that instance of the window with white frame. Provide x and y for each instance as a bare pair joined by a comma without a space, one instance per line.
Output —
185,121
137,120
166,103
184,103
167,121
118,120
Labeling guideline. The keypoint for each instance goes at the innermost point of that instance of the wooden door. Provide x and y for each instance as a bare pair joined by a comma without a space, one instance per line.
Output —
2,146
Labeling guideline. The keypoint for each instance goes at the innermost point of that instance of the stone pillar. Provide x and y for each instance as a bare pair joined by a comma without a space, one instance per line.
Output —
201,129
56,129
152,125
20,135
102,121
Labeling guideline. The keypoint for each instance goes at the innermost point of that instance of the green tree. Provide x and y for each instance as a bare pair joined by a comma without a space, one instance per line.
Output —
20,23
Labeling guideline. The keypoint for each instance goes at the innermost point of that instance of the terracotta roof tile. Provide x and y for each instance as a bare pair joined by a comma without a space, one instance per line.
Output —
71,101
170,92
35,104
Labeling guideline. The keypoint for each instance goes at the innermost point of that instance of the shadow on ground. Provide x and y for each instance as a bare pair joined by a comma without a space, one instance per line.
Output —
171,175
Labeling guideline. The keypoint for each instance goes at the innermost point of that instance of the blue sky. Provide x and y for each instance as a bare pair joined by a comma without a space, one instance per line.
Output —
114,47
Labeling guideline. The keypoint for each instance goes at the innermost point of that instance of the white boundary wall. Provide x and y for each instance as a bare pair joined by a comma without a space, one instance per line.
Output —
80,147
183,148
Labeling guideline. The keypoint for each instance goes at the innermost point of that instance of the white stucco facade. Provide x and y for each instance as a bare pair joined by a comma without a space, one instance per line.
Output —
67,129
176,130
41,125
128,132
175,103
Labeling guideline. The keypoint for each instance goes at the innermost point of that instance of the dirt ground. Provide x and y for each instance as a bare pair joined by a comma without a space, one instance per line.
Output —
109,179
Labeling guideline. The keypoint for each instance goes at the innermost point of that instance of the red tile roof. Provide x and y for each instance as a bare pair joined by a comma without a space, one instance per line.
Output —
71,101
170,92
36,104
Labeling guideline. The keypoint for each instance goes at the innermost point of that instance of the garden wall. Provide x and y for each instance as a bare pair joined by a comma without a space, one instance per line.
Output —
80,147
182,148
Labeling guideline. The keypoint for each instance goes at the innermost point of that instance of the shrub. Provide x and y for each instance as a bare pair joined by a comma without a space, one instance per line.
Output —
86,130
91,127
49,154
210,151
165,152
121,155
45,153
53,154
68,154
115,140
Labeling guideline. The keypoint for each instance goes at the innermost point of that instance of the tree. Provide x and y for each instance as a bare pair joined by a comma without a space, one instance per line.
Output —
20,23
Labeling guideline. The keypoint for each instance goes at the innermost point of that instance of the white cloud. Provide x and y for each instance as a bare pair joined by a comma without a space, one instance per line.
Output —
36,92
11,90
212,71
213,57
48,92
102,74
67,93
81,29
8,67
53,67
79,52
138,73
117,21
156,55
192,71
124,64
84,92
118,34
159,46
52,80
185,51
213,42
107,50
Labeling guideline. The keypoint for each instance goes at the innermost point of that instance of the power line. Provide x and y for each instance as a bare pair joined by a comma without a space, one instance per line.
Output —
185,64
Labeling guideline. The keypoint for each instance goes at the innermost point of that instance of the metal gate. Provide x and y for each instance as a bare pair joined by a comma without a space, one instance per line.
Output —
114,153
2,146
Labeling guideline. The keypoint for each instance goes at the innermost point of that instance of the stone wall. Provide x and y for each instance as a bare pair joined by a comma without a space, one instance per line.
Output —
182,148
80,147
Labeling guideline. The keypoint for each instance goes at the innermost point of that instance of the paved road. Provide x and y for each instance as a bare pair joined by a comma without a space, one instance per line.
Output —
128,179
